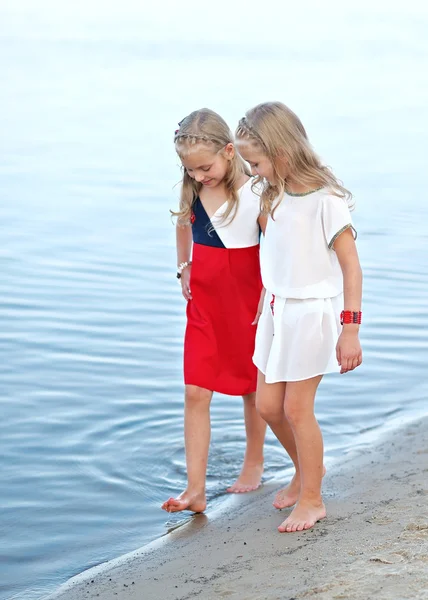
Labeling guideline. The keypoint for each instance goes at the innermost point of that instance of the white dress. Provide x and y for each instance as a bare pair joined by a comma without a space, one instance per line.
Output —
300,323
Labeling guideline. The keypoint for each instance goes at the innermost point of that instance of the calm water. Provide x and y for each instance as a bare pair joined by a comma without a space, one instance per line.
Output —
91,319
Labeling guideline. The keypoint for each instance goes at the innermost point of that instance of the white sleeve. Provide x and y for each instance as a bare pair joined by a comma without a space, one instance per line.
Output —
336,219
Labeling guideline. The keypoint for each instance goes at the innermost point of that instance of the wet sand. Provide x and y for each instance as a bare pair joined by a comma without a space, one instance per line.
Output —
373,544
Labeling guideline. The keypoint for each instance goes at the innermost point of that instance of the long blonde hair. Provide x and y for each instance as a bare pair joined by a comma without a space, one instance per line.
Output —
207,128
279,134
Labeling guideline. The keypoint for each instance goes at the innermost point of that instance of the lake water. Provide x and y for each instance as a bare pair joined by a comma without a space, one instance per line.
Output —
91,318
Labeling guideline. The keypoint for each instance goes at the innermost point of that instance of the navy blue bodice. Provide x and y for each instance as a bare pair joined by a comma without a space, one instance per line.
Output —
202,230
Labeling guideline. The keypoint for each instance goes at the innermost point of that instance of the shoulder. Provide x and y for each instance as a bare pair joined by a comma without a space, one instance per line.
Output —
332,201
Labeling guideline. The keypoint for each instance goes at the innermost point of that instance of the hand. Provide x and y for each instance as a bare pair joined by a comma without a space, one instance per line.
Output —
348,350
185,283
259,307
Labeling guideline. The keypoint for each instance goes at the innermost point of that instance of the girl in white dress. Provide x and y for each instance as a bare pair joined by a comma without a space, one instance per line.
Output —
312,306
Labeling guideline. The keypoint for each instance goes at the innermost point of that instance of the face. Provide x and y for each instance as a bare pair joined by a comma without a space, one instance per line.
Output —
207,167
259,162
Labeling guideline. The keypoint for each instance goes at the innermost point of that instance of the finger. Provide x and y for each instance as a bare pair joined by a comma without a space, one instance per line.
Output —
344,365
354,363
338,357
186,291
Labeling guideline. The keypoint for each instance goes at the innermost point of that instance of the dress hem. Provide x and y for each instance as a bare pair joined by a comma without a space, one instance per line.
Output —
298,379
219,390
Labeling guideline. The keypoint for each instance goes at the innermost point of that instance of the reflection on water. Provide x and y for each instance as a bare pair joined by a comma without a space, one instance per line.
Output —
91,315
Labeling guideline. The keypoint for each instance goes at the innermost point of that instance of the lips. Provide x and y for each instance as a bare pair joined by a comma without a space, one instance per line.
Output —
206,182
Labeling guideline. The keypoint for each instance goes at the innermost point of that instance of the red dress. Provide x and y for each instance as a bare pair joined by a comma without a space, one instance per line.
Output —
225,284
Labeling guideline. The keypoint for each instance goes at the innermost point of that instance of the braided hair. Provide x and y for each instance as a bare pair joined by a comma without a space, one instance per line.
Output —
205,128
279,134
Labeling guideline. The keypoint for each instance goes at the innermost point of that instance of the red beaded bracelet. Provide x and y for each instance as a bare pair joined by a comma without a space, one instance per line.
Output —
349,316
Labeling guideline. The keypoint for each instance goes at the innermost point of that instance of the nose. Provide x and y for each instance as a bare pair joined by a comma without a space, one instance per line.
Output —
200,177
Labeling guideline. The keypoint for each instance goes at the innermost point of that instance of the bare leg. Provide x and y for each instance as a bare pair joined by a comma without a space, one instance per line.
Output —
299,411
270,404
197,434
255,429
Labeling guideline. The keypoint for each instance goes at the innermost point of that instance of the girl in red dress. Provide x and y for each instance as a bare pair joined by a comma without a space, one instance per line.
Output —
218,232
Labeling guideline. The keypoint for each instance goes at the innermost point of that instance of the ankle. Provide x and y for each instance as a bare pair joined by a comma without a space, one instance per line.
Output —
195,491
311,498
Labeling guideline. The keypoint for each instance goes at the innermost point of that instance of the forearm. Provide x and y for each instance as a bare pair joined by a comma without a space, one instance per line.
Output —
184,243
352,290
352,287
347,255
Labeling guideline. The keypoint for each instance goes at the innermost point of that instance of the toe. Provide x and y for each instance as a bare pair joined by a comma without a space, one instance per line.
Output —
284,526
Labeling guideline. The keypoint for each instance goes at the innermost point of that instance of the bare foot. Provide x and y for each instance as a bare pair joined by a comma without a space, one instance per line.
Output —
195,502
303,516
289,495
248,481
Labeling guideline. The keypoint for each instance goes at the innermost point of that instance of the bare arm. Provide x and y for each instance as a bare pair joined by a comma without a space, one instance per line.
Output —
346,252
349,354
262,222
184,249
184,242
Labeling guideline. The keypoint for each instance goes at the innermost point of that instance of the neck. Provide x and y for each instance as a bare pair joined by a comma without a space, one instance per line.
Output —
296,188
293,187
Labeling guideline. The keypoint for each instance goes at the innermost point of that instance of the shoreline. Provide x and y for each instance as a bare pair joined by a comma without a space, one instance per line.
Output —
374,541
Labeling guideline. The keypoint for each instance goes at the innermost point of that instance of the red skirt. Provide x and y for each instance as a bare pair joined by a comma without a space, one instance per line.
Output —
219,340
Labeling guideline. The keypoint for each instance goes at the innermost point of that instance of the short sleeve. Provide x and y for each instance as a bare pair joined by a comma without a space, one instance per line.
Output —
336,219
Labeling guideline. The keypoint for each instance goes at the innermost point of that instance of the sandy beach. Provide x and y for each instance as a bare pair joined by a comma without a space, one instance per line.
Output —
374,542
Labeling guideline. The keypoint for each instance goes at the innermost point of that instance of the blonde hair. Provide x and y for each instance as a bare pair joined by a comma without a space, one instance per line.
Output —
279,134
205,127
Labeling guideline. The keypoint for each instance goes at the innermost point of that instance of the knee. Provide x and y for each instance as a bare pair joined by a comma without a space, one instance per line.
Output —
250,400
293,410
269,413
197,397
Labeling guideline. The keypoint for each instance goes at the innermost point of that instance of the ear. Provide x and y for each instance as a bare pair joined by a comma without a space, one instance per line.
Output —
281,154
282,165
229,151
